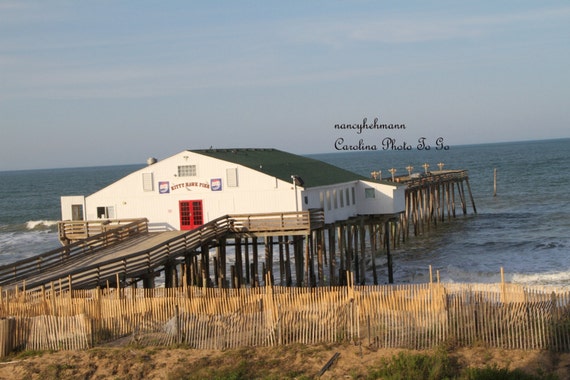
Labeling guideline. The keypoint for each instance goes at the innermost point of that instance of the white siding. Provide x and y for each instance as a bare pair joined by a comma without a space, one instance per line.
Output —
254,193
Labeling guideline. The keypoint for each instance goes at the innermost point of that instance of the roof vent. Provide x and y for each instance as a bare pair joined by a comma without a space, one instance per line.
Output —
151,160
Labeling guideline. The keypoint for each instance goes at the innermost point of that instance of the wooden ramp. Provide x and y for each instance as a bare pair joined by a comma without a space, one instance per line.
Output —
91,270
130,251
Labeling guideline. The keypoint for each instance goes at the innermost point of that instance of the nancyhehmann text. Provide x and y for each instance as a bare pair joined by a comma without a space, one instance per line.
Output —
365,125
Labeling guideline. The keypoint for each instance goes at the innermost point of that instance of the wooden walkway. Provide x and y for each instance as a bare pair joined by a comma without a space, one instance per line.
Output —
128,252
87,269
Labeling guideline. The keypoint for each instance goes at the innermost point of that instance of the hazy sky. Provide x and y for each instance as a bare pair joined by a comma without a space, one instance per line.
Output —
86,83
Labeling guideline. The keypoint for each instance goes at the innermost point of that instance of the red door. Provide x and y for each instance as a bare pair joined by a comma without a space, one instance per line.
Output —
191,215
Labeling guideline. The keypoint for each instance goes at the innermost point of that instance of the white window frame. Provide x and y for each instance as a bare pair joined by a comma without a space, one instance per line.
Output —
187,171
148,181
232,177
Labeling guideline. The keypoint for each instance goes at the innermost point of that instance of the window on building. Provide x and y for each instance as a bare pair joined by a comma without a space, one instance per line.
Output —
147,179
106,212
232,177
347,196
76,212
341,197
353,195
369,193
187,171
322,199
328,200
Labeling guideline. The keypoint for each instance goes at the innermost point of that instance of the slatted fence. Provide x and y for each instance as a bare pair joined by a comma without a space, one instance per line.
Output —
389,316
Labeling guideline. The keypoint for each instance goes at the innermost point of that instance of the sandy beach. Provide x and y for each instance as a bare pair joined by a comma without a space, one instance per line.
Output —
296,361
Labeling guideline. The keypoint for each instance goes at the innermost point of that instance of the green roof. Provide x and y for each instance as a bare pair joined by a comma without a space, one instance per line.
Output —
283,165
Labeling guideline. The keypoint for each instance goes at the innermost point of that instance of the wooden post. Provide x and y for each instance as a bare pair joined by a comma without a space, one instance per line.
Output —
471,195
205,264
233,280
223,262
282,274
308,267
312,246
332,258
373,247
461,190
269,257
176,282
453,198
288,279
388,254
298,253
239,263
342,267
255,264
246,258
148,280
320,248
356,251
349,250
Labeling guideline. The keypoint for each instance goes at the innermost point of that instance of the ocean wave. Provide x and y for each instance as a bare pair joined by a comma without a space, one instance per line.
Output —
551,278
549,245
41,224
20,244
455,274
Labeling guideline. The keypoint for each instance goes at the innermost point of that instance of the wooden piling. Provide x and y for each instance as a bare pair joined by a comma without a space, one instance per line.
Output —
255,264
388,254
332,255
288,278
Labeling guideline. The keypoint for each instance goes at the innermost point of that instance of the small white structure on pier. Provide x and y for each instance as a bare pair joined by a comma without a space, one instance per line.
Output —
193,187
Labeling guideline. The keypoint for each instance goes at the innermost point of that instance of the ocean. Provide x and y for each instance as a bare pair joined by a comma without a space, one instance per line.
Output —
524,229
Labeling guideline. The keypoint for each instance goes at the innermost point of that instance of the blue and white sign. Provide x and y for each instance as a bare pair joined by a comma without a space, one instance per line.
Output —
163,187
216,184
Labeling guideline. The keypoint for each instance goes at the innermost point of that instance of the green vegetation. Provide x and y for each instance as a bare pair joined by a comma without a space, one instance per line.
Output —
441,366
416,366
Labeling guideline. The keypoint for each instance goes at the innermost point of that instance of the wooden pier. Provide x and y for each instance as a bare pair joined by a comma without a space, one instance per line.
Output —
287,249
433,198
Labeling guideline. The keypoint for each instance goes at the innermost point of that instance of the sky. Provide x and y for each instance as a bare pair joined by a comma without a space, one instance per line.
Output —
89,83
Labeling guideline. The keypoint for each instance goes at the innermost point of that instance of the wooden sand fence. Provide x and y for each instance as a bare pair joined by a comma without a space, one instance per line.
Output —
389,316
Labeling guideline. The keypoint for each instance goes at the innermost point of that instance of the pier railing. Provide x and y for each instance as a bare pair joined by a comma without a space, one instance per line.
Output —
275,224
25,269
436,176
74,230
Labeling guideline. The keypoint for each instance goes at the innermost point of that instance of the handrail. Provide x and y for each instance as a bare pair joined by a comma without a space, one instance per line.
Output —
22,269
73,230
267,223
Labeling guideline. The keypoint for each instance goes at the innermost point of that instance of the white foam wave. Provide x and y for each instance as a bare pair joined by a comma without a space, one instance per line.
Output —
36,224
18,245
458,275
551,278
